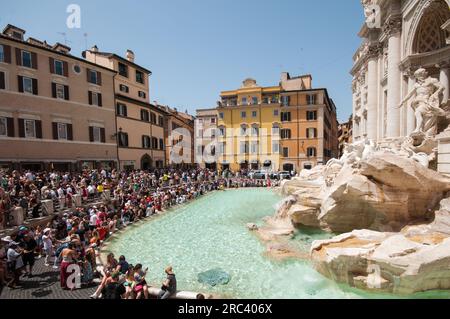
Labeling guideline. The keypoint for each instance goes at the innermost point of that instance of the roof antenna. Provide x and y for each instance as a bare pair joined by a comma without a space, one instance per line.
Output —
65,37
86,40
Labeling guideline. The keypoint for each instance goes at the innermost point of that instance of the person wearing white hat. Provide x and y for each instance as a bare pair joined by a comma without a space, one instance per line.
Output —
48,245
15,263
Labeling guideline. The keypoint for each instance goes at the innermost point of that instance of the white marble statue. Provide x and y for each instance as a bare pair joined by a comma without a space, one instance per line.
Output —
369,12
426,103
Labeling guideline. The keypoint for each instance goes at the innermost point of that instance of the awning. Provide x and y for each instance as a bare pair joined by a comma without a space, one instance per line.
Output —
267,163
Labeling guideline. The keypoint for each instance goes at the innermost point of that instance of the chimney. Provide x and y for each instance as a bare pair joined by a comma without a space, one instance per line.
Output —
130,56
285,76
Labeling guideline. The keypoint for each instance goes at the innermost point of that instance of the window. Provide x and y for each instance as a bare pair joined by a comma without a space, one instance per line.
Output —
94,77
221,148
311,115
2,81
145,116
77,69
274,99
146,142
221,116
254,148
123,70
275,130
124,88
243,114
255,130
2,54
3,126
27,85
244,147
153,118
26,59
286,116
30,128
311,152
161,144
121,109
254,100
62,131
222,131
123,139
59,67
95,98
142,95
285,151
213,120
244,101
276,113
243,130
154,143
275,147
286,134
254,114
60,91
265,100
311,133
160,121
17,35
285,100
97,134
139,77
311,99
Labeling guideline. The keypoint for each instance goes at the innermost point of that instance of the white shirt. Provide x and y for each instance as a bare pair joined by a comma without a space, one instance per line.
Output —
47,240
93,220
13,255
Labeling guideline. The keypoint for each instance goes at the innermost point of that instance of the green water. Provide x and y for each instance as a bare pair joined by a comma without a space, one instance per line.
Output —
211,233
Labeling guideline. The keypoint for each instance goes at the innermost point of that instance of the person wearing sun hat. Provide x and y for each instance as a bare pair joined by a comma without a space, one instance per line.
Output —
47,241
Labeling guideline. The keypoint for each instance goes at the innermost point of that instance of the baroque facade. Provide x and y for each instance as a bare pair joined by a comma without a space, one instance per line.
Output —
399,38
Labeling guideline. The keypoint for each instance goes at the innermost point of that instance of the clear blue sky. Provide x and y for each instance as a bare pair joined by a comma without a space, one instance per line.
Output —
197,48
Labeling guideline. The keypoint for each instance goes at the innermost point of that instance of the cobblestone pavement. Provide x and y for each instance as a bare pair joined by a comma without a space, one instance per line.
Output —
44,285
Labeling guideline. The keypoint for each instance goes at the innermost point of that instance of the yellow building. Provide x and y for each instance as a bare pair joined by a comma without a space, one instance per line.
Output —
289,126
247,118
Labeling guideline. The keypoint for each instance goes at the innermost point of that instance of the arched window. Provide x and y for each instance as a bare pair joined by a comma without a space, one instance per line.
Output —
222,131
244,130
255,130
312,152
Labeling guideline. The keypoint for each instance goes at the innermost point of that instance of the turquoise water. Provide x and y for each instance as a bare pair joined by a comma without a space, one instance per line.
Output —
211,233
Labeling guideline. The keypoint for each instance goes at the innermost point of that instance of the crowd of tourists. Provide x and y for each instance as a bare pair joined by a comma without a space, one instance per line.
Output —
111,200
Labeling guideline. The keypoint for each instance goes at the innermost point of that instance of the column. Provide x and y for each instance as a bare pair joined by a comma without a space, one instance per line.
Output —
410,117
394,78
444,78
372,98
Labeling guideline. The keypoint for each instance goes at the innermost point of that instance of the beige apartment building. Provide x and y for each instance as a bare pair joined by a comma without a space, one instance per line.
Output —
140,125
179,136
56,110
205,135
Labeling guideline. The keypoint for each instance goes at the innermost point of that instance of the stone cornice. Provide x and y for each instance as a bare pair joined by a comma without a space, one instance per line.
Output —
414,62
368,51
